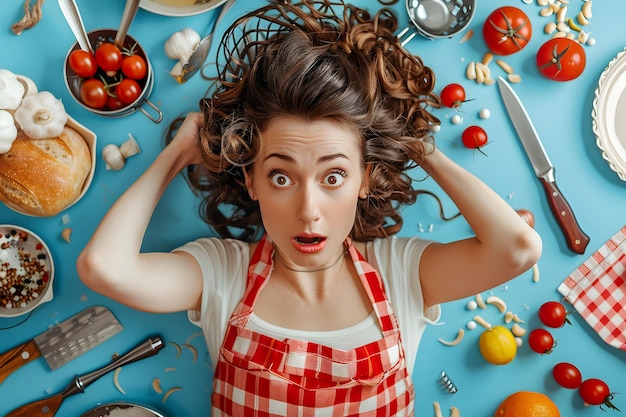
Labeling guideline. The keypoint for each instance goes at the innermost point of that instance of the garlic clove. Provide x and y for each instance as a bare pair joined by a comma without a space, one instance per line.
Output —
130,147
113,157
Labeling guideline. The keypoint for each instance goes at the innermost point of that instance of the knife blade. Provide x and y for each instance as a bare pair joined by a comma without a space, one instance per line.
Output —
63,342
575,238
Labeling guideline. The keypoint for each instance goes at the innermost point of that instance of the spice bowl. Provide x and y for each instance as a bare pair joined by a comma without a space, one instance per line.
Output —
436,19
74,83
26,271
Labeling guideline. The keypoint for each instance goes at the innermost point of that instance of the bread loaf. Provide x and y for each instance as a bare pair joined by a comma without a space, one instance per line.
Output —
42,177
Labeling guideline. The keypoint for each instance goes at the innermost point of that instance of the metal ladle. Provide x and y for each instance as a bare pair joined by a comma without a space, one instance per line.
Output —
130,10
73,18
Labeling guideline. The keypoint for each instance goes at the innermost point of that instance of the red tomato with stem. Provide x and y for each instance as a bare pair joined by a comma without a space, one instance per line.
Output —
553,314
93,93
561,59
507,30
108,57
453,95
83,63
474,137
567,375
596,392
128,90
541,341
134,66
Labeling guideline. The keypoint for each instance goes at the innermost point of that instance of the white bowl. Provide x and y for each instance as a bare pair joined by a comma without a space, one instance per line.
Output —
178,8
16,244
88,135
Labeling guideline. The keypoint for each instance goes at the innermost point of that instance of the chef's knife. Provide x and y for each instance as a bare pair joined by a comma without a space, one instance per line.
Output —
48,407
576,239
63,342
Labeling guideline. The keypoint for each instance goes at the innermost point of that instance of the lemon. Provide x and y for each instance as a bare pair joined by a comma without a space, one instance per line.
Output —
497,345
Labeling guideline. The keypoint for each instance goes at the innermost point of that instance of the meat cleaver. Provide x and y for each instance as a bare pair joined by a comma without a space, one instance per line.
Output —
63,342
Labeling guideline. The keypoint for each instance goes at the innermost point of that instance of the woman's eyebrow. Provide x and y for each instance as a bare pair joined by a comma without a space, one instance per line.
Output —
324,158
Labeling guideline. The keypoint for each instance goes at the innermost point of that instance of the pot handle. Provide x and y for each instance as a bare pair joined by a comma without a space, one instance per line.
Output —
155,118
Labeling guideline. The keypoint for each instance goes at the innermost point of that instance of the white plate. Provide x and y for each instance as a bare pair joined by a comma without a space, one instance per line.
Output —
187,9
609,108
115,409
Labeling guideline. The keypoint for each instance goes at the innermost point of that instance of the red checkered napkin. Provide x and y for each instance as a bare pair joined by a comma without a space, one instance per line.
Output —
597,289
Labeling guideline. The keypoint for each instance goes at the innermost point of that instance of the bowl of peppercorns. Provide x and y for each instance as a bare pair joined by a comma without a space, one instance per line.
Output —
26,271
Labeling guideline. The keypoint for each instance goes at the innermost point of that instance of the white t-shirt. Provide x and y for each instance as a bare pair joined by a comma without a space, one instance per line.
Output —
224,264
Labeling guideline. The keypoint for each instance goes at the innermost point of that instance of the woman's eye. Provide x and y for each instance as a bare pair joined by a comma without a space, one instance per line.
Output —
335,179
280,180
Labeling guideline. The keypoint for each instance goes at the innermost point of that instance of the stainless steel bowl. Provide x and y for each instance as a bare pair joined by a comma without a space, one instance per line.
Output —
116,409
440,18
73,81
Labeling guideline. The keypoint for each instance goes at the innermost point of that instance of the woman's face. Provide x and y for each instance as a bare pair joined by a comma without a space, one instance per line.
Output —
308,179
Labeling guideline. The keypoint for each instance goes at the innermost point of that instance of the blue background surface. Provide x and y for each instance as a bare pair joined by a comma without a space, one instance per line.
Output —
562,116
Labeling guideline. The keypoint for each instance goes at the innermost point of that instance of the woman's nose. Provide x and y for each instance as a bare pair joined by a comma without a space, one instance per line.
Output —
309,210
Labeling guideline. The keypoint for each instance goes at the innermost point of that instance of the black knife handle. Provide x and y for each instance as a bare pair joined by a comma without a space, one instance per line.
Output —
576,239
146,349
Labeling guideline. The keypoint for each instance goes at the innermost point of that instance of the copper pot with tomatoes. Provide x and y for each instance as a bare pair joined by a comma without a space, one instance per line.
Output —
114,81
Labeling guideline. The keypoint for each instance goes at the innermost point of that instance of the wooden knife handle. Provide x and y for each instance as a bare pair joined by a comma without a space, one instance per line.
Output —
47,407
576,239
17,357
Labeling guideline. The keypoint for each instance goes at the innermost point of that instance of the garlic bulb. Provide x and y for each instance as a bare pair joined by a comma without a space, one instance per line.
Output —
11,90
181,44
41,116
8,131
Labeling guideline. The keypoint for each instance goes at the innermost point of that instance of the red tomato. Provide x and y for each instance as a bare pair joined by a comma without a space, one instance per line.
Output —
474,137
553,314
93,93
561,59
596,392
507,30
108,57
113,103
567,375
453,95
541,341
82,63
134,67
128,90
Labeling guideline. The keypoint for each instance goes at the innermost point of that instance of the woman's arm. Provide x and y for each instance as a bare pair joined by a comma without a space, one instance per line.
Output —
504,245
111,262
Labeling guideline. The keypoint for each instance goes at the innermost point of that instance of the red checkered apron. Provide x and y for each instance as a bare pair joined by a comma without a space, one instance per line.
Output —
257,375
597,289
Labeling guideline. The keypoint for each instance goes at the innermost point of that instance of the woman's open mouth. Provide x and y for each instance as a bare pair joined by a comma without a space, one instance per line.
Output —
309,243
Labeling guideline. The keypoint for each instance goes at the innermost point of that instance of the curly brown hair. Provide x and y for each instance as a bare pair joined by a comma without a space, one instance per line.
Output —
315,60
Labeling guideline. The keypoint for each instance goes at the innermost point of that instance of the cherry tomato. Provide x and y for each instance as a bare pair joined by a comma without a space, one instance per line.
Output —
596,392
507,30
82,63
453,95
541,341
561,59
113,103
108,57
134,66
93,93
567,375
553,314
128,90
474,137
